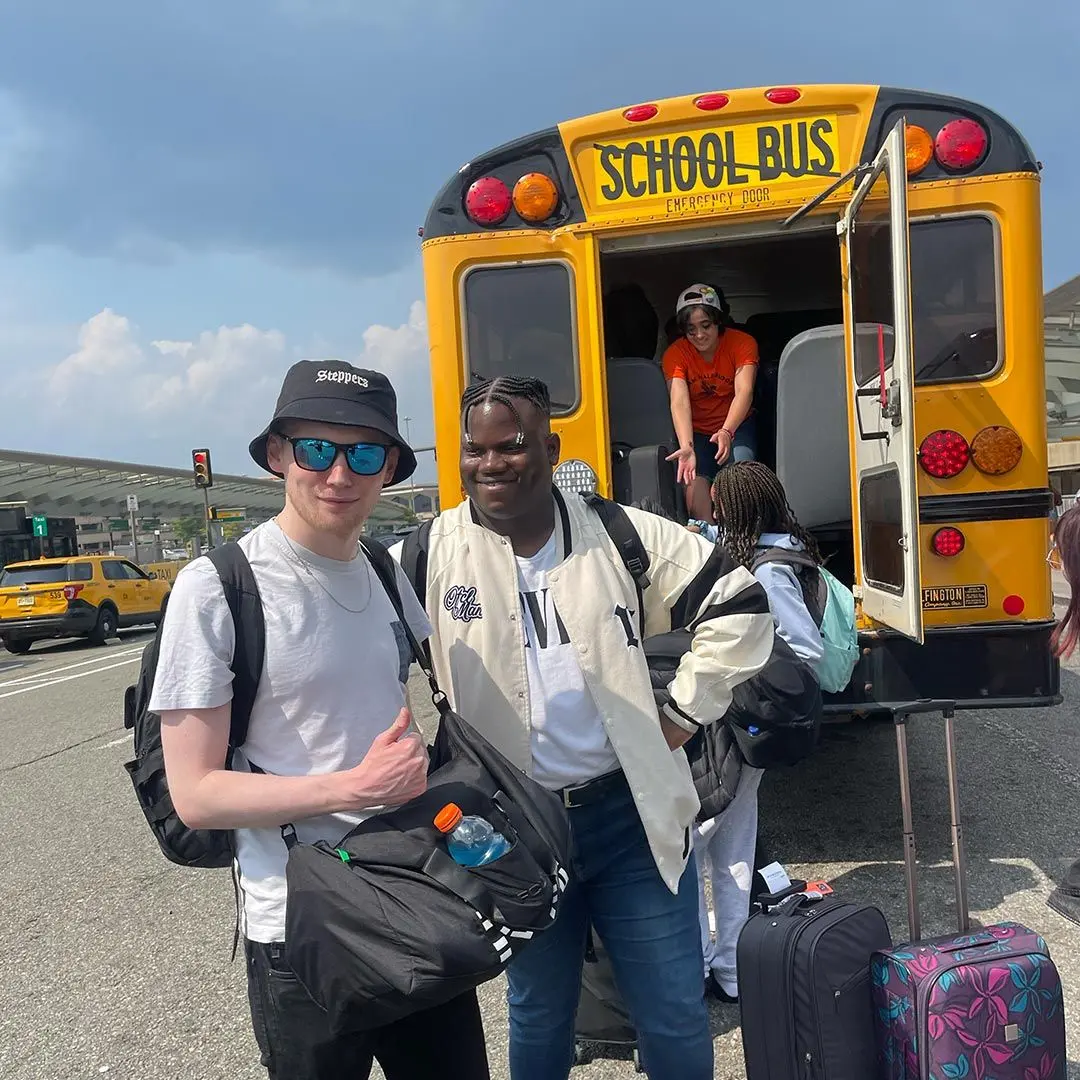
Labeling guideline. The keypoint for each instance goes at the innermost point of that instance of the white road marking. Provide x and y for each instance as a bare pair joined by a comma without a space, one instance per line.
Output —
67,678
115,742
48,674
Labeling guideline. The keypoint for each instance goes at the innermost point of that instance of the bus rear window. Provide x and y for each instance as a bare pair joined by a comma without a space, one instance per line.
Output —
954,305
519,320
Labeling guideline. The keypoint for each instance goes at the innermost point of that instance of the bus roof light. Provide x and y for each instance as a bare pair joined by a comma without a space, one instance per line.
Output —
920,148
637,113
947,542
535,197
711,102
488,201
783,95
996,450
961,145
943,454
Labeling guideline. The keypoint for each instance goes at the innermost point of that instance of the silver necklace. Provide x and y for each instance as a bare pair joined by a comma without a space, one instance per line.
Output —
299,560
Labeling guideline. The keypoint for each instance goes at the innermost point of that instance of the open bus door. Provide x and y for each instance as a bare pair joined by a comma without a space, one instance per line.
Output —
881,398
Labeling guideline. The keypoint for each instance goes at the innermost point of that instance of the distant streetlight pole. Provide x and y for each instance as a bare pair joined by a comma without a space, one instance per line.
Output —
412,489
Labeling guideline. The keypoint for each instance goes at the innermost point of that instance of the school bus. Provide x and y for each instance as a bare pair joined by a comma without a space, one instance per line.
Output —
883,248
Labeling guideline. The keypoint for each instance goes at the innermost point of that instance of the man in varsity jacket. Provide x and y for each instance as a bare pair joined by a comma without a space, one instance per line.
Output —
537,642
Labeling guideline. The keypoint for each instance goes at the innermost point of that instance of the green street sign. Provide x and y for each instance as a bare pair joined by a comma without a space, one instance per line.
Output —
118,524
41,525
232,513
150,523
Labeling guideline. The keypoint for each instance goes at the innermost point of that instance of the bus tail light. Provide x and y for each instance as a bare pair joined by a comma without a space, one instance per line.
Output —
919,148
943,454
637,113
961,145
1013,605
535,197
71,591
488,201
947,542
783,95
711,102
996,450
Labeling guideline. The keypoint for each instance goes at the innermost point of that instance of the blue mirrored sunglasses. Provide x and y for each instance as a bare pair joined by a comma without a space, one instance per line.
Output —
318,455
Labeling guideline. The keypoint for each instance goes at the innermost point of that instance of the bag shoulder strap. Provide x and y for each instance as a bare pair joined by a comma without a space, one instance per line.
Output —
249,626
386,571
815,590
414,552
624,536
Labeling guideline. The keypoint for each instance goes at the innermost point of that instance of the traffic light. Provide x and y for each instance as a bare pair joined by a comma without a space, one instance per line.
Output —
200,462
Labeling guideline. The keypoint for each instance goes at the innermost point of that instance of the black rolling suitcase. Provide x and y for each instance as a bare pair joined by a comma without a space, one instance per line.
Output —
804,987
602,1018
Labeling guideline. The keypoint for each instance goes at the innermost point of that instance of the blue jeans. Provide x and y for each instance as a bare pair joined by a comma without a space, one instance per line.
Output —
651,936
743,448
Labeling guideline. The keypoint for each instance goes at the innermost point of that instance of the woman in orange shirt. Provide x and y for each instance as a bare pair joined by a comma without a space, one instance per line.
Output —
710,373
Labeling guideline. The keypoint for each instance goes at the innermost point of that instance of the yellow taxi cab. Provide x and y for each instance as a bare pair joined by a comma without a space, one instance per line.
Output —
89,596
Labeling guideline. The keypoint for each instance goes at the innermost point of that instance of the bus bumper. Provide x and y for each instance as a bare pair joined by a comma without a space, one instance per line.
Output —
990,666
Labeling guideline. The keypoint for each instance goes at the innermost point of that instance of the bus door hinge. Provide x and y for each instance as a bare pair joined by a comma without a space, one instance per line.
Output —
841,227
891,407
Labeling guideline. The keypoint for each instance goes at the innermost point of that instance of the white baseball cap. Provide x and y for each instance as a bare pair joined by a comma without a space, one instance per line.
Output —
699,294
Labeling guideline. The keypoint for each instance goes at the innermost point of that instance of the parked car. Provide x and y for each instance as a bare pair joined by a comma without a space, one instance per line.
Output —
89,596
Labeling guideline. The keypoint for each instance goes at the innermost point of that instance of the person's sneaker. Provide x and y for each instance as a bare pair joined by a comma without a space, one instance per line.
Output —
1065,899
714,989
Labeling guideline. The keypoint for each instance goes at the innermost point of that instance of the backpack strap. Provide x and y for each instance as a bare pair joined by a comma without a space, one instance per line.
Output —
386,571
624,536
414,551
801,562
249,626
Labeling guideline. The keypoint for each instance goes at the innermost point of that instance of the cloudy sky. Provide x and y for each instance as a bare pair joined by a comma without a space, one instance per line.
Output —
195,193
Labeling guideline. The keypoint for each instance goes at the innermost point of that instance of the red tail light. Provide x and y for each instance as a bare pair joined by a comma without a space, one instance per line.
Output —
71,591
947,542
783,95
944,453
636,113
961,145
488,201
711,102
1013,606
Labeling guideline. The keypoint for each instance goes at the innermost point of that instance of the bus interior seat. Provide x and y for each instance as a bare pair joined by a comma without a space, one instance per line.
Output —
631,325
772,330
812,398
642,434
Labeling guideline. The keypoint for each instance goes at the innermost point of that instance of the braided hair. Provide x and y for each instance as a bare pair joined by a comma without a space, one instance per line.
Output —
750,500
503,390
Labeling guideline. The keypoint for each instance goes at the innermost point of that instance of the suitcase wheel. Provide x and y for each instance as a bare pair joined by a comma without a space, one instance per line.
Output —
580,1057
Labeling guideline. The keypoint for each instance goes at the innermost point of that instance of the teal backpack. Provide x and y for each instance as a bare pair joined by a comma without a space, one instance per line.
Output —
832,607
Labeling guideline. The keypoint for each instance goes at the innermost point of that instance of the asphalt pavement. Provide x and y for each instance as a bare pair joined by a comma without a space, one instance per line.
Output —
116,963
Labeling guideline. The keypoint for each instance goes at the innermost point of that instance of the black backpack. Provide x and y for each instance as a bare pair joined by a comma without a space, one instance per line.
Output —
774,717
210,848
203,848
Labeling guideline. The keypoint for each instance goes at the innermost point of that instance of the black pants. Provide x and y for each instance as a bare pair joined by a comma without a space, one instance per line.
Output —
292,1032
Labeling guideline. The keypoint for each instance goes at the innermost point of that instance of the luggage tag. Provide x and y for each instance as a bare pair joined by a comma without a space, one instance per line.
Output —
817,890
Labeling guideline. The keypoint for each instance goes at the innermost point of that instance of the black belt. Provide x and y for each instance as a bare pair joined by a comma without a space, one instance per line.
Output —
593,791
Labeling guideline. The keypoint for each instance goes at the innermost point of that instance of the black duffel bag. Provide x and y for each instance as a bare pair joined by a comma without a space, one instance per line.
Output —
386,923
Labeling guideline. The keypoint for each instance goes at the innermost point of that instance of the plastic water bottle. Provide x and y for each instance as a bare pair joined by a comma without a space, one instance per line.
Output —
471,840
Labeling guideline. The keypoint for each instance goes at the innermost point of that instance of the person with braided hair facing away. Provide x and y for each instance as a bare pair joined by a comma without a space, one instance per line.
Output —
537,642
710,373
753,517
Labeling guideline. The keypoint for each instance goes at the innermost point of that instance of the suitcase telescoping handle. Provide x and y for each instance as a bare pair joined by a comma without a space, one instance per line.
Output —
901,714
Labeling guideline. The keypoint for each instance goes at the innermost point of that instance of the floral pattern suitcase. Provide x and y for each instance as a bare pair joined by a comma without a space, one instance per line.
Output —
977,1005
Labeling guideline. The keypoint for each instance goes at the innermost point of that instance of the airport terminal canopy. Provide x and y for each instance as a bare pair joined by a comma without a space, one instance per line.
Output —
74,487
1062,336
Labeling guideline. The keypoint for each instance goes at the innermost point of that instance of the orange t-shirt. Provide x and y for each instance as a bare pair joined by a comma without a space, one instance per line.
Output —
711,382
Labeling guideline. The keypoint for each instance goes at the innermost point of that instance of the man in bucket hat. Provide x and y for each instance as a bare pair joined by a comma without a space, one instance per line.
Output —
330,738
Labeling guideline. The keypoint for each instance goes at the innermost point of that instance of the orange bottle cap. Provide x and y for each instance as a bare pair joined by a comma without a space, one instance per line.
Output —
447,818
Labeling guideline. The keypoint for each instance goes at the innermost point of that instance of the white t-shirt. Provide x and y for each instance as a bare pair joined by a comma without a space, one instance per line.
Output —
569,744
332,680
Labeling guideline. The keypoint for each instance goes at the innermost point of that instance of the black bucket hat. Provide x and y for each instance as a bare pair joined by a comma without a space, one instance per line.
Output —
333,392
